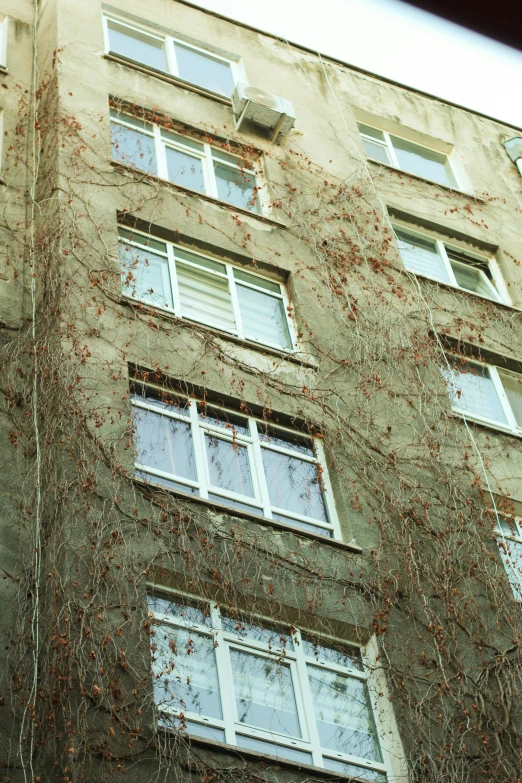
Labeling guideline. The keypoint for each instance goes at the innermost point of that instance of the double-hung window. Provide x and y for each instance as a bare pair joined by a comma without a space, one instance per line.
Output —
277,691
406,155
509,540
192,164
485,393
164,53
234,460
205,290
433,258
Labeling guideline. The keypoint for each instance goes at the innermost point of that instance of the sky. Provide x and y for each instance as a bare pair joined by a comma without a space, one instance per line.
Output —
393,39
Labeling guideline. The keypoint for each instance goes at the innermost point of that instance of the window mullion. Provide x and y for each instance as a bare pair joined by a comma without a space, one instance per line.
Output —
391,150
308,704
211,176
441,247
260,470
235,302
199,449
161,155
495,377
174,280
170,51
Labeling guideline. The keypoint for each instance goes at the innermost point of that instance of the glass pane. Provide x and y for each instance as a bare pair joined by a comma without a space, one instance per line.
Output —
206,263
420,255
472,279
184,671
142,239
189,613
294,485
137,46
511,554
343,714
145,276
286,440
356,771
376,151
423,162
205,298
369,131
164,443
260,282
236,186
185,169
266,634
204,70
280,751
160,399
229,466
264,693
471,389
512,384
228,421
183,141
322,652
133,148
264,317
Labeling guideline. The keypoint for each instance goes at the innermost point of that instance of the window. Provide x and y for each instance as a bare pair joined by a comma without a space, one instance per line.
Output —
278,691
205,290
235,460
3,40
485,393
180,159
406,155
509,539
179,59
432,258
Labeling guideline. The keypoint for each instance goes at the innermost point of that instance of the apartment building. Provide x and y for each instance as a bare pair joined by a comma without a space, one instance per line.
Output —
262,382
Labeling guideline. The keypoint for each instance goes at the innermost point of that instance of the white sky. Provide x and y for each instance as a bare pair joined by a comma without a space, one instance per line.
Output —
393,39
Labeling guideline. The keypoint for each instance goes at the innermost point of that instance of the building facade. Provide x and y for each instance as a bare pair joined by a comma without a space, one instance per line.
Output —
262,411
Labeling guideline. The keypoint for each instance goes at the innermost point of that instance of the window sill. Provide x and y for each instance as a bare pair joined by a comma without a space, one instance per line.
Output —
296,357
166,77
3,70
126,169
236,512
407,175
266,759
464,291
498,428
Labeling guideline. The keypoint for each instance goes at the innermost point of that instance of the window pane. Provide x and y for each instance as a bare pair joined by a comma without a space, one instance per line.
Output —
206,263
185,671
376,151
266,634
511,554
286,440
141,239
294,485
133,148
264,693
420,255
423,162
512,384
356,771
233,424
184,141
264,317
204,297
343,714
137,46
272,749
185,169
204,70
145,276
472,279
164,443
260,282
229,466
322,652
188,613
472,390
236,186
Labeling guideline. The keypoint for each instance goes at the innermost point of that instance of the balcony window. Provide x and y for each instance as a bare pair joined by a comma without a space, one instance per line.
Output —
202,289
275,690
234,460
164,53
485,393
407,156
509,540
192,164
429,257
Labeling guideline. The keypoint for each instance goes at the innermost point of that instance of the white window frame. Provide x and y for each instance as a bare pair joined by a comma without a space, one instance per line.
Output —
4,23
205,156
295,657
515,580
393,161
442,248
260,504
512,426
237,71
170,256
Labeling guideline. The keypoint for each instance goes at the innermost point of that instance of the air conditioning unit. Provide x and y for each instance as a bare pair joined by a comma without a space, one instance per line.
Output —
269,111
